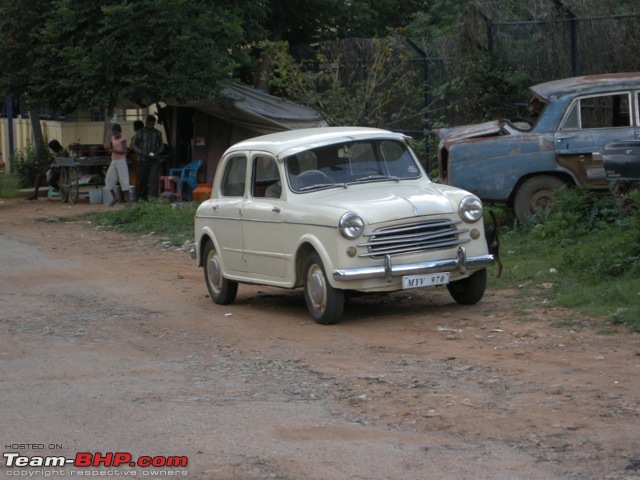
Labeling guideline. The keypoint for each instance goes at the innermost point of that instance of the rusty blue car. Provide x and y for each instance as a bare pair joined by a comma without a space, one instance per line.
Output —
522,161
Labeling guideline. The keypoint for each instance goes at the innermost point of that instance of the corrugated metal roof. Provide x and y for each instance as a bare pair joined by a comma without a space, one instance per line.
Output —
258,111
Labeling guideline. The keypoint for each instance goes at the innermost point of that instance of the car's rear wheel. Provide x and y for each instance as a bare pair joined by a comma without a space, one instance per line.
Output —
221,290
535,196
325,303
469,290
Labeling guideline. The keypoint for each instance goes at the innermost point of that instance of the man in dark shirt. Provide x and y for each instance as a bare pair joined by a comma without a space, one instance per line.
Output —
50,174
147,143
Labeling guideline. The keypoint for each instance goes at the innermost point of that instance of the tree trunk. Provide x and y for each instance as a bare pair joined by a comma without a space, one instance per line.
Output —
38,139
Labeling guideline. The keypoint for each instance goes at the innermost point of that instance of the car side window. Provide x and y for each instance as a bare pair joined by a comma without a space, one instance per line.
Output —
233,180
266,177
602,111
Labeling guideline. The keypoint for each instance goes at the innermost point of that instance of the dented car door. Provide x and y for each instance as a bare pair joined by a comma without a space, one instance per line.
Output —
588,123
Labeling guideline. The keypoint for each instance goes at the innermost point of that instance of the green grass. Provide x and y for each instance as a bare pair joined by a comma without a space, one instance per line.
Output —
8,186
157,216
584,257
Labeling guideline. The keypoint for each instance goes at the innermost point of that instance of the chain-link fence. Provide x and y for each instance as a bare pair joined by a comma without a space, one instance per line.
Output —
528,52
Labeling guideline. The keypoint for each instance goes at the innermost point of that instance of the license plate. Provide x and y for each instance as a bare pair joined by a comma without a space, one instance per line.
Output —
429,280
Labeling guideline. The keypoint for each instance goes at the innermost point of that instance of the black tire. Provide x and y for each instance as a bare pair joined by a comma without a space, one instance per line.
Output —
221,290
534,195
469,290
325,303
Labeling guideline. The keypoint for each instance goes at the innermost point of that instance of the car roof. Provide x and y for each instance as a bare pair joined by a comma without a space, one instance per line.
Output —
292,141
586,84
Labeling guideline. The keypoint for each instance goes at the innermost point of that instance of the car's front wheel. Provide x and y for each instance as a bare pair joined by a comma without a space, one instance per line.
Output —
221,290
469,290
325,303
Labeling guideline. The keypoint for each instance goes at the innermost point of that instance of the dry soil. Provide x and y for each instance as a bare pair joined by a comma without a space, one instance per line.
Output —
109,343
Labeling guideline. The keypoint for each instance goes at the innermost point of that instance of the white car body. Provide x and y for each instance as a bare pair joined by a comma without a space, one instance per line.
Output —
243,236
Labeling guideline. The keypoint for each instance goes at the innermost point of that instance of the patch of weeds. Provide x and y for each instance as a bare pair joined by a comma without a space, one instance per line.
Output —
528,319
584,256
56,219
8,186
156,216
564,323
608,331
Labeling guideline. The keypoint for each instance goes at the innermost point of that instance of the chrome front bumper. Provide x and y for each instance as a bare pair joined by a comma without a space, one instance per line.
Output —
460,264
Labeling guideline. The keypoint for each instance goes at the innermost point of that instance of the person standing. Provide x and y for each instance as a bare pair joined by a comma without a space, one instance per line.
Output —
132,157
118,169
147,143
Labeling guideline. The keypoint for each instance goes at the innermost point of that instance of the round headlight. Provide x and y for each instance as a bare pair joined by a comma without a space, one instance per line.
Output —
471,209
351,225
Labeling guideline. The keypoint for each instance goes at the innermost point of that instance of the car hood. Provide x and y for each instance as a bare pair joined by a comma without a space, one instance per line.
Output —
383,202
469,131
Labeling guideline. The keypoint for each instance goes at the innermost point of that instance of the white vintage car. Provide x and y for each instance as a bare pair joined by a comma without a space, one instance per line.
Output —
334,210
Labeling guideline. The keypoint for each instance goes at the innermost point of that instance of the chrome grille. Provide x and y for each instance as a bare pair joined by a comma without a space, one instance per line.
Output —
412,238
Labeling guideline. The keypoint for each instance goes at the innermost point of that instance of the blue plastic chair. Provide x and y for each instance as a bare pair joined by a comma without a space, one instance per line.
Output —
188,174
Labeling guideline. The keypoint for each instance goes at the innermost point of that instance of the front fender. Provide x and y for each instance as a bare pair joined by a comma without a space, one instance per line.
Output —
307,243
206,234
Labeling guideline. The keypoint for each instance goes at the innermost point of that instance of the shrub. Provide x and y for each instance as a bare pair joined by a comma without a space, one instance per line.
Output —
28,164
599,238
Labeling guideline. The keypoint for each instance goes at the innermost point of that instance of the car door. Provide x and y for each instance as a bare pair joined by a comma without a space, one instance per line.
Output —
227,209
589,124
263,232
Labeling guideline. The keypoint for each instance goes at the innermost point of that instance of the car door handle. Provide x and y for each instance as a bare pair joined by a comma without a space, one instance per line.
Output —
560,139
276,210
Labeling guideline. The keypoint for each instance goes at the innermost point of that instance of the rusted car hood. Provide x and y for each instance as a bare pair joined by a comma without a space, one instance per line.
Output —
469,131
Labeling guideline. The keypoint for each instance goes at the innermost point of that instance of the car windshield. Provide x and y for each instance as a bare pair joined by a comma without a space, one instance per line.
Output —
349,163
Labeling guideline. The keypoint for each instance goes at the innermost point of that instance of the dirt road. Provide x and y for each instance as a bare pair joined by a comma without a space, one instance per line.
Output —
109,343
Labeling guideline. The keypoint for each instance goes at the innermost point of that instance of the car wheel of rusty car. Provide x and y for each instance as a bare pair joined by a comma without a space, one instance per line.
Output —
221,290
534,196
325,303
469,290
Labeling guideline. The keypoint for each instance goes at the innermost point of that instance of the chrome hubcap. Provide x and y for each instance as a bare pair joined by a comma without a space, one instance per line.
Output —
317,288
213,272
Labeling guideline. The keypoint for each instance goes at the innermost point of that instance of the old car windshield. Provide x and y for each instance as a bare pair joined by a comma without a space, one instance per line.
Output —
342,164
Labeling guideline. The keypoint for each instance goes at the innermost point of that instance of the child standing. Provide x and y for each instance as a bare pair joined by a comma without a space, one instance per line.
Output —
118,170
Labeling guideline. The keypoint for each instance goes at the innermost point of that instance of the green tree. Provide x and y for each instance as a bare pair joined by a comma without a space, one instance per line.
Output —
354,82
72,53
25,72
143,51
299,22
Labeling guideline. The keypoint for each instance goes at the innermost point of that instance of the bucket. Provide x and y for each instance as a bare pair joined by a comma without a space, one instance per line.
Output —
133,194
95,195
202,193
